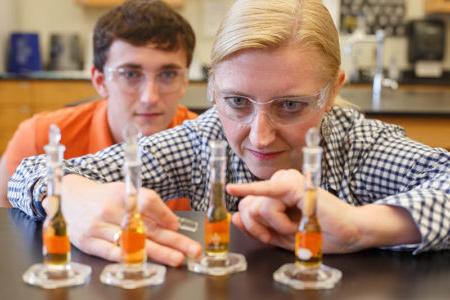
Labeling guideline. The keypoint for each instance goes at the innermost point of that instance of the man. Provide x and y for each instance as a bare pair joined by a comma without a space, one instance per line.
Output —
142,51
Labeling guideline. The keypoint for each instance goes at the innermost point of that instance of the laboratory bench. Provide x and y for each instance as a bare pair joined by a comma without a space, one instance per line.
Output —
370,274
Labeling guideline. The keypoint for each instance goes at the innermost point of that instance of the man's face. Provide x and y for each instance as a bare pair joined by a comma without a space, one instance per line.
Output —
142,85
266,141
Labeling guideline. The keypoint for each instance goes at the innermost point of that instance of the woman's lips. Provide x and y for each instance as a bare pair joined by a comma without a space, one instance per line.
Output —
265,155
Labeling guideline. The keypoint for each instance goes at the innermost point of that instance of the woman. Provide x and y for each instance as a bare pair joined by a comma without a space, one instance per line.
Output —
275,73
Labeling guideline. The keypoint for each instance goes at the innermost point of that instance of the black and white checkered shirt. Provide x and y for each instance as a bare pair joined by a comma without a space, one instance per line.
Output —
364,161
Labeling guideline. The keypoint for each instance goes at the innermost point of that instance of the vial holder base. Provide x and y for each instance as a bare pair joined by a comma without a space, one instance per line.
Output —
134,277
218,266
322,277
48,277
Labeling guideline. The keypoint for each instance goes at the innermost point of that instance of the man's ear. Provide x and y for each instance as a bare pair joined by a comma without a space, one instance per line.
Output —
98,81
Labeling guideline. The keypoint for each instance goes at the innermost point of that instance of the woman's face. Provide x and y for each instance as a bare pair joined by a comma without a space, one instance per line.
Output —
268,140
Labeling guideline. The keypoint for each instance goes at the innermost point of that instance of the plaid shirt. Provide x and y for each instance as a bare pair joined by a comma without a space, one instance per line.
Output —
364,161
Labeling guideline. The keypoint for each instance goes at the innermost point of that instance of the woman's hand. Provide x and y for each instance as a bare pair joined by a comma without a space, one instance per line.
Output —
271,209
94,212
268,211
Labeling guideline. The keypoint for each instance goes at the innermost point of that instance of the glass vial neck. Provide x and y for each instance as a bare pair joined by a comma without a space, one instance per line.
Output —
132,167
55,153
312,155
217,166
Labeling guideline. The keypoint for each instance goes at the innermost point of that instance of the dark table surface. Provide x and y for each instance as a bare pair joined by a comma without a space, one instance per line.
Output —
400,102
374,274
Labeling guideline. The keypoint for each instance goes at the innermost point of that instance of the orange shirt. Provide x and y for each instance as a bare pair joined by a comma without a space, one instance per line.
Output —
84,130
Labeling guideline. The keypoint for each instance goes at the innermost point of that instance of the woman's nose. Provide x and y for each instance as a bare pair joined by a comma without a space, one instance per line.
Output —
262,132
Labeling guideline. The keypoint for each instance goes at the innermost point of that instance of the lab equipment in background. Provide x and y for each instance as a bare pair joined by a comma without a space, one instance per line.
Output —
379,14
379,79
24,54
65,52
426,47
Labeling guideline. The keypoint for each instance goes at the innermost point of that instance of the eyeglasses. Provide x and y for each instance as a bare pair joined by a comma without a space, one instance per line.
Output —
134,80
285,111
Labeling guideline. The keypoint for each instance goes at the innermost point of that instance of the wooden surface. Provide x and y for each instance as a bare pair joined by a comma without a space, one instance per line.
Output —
20,99
432,131
374,274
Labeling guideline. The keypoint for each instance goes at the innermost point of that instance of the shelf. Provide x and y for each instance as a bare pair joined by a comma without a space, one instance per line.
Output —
437,6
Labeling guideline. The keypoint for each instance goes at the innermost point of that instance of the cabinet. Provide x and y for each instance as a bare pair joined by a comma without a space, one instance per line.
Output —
20,99
430,130
437,6
110,3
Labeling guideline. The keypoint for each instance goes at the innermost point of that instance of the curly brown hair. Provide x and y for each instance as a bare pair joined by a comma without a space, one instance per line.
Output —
139,22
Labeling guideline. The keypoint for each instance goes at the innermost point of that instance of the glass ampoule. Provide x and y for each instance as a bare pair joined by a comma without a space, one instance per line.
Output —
132,240
217,219
57,270
217,260
308,272
133,271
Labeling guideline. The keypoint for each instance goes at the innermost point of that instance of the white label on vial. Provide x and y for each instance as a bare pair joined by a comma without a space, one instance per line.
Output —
304,253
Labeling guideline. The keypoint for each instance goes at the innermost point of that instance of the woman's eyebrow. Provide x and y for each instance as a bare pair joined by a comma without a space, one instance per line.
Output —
233,92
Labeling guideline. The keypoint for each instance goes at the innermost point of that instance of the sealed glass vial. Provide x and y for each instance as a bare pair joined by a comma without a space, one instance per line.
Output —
308,239
56,244
133,271
57,270
132,239
217,221
308,272
217,260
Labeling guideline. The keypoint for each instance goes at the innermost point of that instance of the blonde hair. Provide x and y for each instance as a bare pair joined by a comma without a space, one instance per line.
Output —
264,24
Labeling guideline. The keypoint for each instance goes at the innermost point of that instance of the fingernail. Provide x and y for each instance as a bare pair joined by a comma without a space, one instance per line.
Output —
177,259
194,251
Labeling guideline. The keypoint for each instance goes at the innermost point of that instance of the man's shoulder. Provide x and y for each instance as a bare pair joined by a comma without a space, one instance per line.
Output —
32,134
69,114
71,121
182,114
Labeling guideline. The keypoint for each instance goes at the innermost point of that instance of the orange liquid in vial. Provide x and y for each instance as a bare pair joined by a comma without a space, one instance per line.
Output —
308,242
56,244
133,241
217,236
